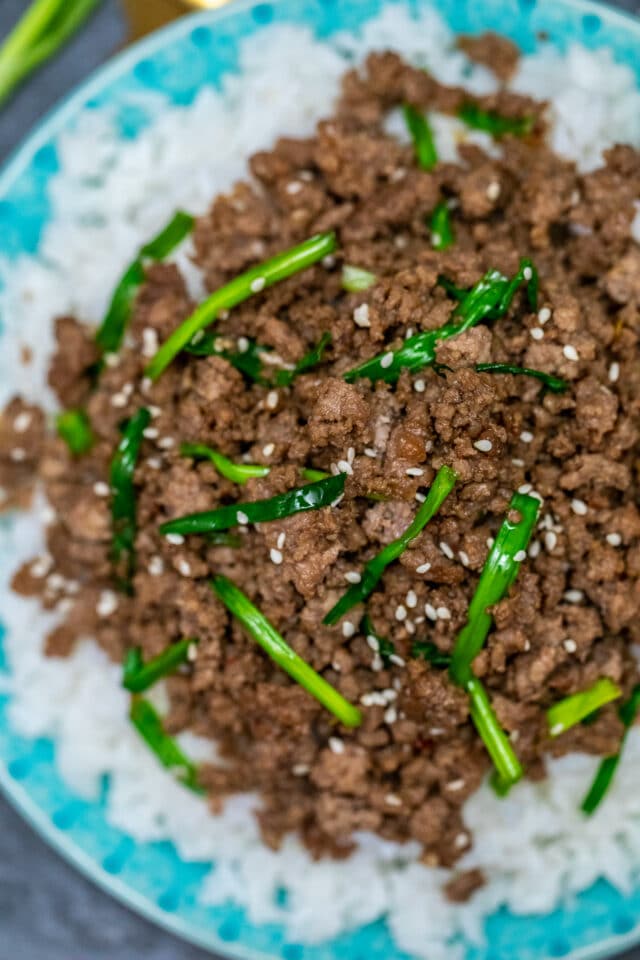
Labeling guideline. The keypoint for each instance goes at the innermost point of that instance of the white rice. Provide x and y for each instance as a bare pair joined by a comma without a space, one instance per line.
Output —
108,198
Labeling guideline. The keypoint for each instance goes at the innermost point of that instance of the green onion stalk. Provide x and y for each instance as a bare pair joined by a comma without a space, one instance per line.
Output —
139,676
575,708
265,634
603,779
148,723
74,428
123,501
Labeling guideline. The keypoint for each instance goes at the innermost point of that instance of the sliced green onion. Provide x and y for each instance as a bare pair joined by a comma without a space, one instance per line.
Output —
138,676
422,136
356,279
441,230
262,631
112,329
43,30
374,569
493,122
508,767
313,475
313,496
75,429
236,472
498,574
490,298
570,711
285,378
606,771
385,647
238,290
555,384
426,650
148,723
248,361
123,502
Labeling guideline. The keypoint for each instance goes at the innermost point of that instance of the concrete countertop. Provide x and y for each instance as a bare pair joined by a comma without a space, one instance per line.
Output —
47,910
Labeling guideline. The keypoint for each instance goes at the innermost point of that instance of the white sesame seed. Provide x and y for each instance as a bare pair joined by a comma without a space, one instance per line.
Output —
184,567
48,515
300,770
579,507
348,629
151,433
145,384
154,411
392,800
430,612
556,730
149,342
527,273
281,540
526,436
420,497
361,315
517,462
352,576
520,556
537,333
166,443
570,646
436,731
242,518
336,666
414,472
446,549
390,715
156,566
570,352
55,582
443,613
18,455
614,539
534,549
107,603
345,467
243,344
411,599
386,360
461,841
276,557
573,596
112,359
329,261
64,607
22,422
154,463
484,446
268,449
436,239
258,284
351,454
336,745
614,372
373,642
464,558
127,389
175,539
272,399
493,190
394,658
455,785
40,567
401,613
550,540
419,386
544,315
101,489
370,452
525,488
410,627
423,568
293,187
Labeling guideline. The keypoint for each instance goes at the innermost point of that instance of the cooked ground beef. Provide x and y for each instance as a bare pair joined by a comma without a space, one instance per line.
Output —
573,614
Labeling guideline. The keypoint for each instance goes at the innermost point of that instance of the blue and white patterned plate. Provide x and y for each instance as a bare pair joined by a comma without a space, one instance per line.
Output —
151,878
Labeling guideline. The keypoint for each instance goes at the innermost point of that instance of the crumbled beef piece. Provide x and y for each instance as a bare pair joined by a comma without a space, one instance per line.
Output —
462,886
497,53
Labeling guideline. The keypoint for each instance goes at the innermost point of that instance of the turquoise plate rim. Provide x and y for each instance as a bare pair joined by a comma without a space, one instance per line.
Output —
52,122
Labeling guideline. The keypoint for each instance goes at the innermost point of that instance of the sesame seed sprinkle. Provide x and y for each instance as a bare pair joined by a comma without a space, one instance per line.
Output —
112,360
423,568
414,472
573,596
401,613
443,613
107,603
390,715
411,599
101,489
294,187
484,446
544,315
276,557
166,443
156,566
393,800
22,422
268,449
373,642
461,841
526,436
184,568
352,576
41,567
151,433
154,463
614,539
419,386
430,612
18,455
520,556
336,745
493,190
398,661
345,467
361,316
300,770
464,558
579,507
517,462
534,549
386,360
420,497
446,549
570,645
370,452
272,399
258,284
614,372
527,273
281,540
149,342
550,540
570,352
242,518
455,785
175,539
537,333
525,488
348,629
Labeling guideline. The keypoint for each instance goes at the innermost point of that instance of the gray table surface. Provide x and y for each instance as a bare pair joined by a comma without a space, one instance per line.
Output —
47,910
